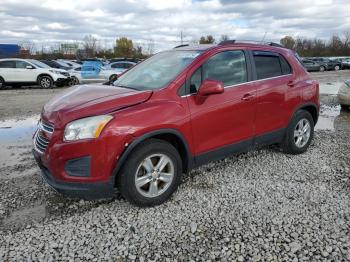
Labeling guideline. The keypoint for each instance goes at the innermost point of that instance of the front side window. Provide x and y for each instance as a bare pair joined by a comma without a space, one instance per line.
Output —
22,64
270,64
157,71
228,67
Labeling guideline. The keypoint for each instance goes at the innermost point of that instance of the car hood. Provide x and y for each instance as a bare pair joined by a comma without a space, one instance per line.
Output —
88,100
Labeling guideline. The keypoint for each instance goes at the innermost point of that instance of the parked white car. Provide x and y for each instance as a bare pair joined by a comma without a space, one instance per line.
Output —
14,71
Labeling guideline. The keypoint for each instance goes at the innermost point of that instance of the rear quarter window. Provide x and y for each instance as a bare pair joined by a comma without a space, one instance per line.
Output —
7,64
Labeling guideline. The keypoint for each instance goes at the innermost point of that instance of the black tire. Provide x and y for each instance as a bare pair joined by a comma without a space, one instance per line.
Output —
322,69
45,82
113,78
2,83
336,68
345,107
73,81
126,179
289,145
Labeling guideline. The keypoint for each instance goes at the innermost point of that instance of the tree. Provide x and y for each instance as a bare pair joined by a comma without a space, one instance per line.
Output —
124,47
223,38
90,45
288,42
209,39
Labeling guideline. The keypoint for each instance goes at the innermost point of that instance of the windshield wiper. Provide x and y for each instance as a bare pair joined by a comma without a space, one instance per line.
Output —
128,87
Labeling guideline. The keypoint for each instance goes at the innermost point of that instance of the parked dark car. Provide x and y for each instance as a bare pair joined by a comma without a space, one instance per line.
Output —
312,66
54,64
345,62
328,63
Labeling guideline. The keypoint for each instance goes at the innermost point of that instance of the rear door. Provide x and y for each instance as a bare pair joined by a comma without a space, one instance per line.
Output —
273,77
7,68
223,120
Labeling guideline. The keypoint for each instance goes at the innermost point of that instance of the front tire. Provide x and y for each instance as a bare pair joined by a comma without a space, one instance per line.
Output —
336,68
45,82
322,69
151,174
2,83
299,133
345,107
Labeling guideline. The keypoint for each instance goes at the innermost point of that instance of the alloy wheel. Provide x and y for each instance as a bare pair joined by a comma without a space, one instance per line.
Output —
45,82
154,175
302,133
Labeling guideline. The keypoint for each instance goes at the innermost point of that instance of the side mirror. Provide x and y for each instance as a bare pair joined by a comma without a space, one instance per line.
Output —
210,87
29,67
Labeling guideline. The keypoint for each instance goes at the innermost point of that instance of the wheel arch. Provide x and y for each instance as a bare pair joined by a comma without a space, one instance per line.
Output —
43,74
172,136
311,108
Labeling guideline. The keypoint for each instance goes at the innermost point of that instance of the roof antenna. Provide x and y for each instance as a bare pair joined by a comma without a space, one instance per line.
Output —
262,40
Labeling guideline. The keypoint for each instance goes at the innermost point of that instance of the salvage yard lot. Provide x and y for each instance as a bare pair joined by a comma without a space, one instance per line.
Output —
261,205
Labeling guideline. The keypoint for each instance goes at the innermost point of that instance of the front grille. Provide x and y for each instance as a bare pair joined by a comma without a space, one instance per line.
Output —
46,127
40,139
40,142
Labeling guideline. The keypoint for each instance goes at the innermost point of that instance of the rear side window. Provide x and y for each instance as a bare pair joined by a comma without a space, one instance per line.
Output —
269,64
7,64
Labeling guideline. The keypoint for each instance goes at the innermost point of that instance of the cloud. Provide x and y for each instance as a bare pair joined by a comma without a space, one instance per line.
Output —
54,21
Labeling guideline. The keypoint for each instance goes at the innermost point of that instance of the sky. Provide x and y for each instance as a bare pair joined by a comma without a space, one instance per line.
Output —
48,22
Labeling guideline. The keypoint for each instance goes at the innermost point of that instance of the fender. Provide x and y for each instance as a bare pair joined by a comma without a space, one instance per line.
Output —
138,140
314,105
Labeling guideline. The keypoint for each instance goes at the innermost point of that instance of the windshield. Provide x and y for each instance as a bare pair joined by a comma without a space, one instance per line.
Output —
157,71
38,63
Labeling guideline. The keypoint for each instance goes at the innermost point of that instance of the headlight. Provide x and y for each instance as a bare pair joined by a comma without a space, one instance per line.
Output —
55,72
89,127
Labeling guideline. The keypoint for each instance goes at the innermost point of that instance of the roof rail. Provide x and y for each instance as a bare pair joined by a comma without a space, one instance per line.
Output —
181,46
230,42
275,44
227,42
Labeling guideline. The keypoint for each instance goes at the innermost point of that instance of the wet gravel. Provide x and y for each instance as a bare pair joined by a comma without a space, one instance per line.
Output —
259,206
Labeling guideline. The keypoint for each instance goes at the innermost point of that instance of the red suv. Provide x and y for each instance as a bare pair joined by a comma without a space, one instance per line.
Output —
175,111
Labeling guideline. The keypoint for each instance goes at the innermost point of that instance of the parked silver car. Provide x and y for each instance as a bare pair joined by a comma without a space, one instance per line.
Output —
344,95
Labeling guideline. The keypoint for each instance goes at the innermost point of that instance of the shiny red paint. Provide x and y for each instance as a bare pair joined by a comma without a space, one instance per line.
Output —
239,113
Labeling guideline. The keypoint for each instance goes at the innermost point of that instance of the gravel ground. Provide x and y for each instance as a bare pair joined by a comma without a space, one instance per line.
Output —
263,205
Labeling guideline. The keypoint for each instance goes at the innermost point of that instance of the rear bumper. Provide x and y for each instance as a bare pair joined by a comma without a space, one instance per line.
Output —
86,190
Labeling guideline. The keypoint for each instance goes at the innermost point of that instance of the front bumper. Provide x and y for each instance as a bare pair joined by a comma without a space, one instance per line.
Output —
85,190
62,81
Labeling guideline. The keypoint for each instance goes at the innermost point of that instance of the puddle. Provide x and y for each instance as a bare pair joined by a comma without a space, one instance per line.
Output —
16,141
332,118
17,131
329,88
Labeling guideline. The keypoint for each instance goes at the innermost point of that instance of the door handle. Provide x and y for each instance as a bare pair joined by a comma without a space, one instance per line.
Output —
247,97
290,83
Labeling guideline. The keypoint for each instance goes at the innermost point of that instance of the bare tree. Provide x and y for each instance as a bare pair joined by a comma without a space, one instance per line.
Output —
150,46
29,46
90,45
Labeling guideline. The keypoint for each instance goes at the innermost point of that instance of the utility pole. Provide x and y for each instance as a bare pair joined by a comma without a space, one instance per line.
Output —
181,37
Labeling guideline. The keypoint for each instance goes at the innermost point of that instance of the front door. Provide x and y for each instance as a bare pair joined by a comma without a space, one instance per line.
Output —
223,121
